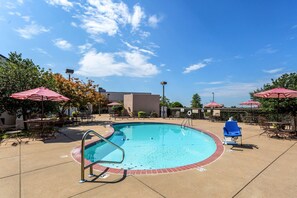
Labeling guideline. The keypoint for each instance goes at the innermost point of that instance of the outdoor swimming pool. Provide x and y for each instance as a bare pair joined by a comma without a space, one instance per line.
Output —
150,146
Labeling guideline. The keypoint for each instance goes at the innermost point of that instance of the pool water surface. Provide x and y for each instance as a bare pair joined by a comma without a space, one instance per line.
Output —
150,146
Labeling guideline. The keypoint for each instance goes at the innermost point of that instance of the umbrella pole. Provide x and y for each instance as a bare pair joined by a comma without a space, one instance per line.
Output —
41,107
277,108
252,120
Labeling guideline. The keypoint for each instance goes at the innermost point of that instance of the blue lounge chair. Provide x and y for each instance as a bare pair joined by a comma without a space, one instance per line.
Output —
232,130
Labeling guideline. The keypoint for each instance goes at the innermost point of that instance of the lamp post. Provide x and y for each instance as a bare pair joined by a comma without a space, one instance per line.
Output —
69,72
163,83
99,89
212,96
108,102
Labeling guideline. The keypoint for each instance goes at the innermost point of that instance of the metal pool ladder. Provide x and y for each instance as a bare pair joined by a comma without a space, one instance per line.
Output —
83,167
186,122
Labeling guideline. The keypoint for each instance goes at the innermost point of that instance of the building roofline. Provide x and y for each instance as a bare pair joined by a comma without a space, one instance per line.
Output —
3,57
128,92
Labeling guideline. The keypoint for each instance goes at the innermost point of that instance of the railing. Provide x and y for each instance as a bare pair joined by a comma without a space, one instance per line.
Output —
83,167
186,122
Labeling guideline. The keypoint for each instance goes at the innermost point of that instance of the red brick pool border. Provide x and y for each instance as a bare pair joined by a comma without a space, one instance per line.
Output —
76,154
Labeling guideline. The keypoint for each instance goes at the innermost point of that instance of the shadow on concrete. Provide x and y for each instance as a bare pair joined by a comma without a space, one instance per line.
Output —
73,134
238,147
98,178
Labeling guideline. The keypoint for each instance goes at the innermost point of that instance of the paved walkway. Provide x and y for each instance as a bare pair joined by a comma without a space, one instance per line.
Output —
264,167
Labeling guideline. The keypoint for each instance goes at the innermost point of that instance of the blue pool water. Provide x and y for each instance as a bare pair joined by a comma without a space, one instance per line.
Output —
153,146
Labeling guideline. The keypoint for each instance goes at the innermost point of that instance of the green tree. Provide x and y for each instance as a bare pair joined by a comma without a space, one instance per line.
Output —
166,101
284,105
16,75
196,101
175,104
79,92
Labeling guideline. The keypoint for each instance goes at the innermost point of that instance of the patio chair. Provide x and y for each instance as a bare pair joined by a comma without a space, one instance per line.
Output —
10,131
4,127
287,130
232,130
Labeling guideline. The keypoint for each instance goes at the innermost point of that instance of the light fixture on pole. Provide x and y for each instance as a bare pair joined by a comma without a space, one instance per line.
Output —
212,96
163,83
69,72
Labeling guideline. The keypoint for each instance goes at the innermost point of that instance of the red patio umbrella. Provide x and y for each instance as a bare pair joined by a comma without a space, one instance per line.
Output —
277,93
114,104
39,94
251,103
213,105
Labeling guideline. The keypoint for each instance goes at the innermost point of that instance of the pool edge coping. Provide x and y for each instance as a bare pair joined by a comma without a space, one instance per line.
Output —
76,155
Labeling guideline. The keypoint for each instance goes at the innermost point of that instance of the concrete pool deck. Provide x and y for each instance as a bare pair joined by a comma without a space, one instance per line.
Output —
263,167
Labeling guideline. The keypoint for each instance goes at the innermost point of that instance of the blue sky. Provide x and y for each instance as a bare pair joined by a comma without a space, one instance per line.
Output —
228,47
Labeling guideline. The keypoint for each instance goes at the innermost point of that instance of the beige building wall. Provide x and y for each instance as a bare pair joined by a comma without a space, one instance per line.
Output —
139,102
7,119
119,96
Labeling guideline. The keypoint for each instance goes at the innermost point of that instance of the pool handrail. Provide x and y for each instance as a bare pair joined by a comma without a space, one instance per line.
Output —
186,122
83,167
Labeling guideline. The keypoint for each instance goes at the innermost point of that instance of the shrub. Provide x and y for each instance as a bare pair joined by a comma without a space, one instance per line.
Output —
154,115
117,109
141,114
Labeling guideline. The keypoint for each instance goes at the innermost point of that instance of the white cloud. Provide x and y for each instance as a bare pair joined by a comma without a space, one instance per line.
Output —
210,83
153,21
144,34
26,18
273,71
73,24
232,90
197,66
41,51
84,48
104,17
31,30
64,3
108,17
136,17
49,65
132,64
62,44
20,1
138,49
238,57
294,27
10,5
15,13
267,50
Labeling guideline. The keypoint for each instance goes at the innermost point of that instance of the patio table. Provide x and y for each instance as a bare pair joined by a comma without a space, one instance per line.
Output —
42,128
279,126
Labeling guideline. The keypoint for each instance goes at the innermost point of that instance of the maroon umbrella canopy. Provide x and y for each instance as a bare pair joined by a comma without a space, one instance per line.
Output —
213,104
251,103
39,94
277,93
114,104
